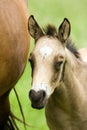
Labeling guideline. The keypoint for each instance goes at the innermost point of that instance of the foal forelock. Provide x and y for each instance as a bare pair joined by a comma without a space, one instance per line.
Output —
51,31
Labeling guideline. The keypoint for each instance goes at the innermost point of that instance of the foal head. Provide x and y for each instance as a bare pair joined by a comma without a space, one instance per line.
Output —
47,60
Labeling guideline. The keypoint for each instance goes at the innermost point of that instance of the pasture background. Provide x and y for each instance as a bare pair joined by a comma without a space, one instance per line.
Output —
49,11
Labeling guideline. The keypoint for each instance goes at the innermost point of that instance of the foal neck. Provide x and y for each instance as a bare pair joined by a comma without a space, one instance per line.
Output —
70,95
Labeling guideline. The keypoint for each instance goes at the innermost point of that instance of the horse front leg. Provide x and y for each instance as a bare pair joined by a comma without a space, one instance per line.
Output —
4,110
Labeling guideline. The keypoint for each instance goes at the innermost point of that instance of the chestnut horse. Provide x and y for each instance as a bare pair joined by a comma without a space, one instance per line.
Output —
14,47
59,77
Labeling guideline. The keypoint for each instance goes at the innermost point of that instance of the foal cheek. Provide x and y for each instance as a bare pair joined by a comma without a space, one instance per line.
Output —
56,78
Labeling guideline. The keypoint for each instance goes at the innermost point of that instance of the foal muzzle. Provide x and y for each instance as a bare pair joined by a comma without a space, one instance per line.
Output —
38,99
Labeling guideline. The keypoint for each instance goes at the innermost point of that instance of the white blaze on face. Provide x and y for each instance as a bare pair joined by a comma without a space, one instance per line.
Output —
45,51
40,83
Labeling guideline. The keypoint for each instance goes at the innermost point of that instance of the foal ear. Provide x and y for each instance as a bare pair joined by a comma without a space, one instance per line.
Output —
34,29
64,30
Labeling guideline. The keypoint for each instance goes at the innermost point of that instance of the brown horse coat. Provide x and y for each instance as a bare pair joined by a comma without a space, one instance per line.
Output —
14,45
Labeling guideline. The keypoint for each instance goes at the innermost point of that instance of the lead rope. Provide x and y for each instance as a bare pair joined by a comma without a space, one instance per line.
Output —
16,118
12,117
20,107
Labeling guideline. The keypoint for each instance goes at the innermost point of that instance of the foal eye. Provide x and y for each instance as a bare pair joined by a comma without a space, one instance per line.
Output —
57,65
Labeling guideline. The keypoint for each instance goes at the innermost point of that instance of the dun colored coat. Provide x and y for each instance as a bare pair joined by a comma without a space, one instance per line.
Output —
59,77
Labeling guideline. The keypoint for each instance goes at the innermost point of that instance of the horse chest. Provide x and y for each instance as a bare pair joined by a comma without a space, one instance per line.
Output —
57,120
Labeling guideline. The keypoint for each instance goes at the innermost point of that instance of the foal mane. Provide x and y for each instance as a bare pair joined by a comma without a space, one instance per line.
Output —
51,31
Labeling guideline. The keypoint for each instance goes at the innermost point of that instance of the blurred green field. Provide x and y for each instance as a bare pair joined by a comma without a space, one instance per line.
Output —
49,11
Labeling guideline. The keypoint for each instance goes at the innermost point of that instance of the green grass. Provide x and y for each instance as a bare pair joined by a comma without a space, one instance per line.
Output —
49,11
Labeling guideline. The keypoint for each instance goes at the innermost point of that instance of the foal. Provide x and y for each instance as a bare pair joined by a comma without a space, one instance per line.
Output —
58,77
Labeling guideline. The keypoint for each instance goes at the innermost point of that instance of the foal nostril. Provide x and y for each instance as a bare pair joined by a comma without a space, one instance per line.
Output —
36,97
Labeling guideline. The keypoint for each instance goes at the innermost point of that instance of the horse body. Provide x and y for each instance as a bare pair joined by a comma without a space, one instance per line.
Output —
14,45
59,77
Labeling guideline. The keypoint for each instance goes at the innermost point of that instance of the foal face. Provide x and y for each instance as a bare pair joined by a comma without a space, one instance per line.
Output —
47,62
